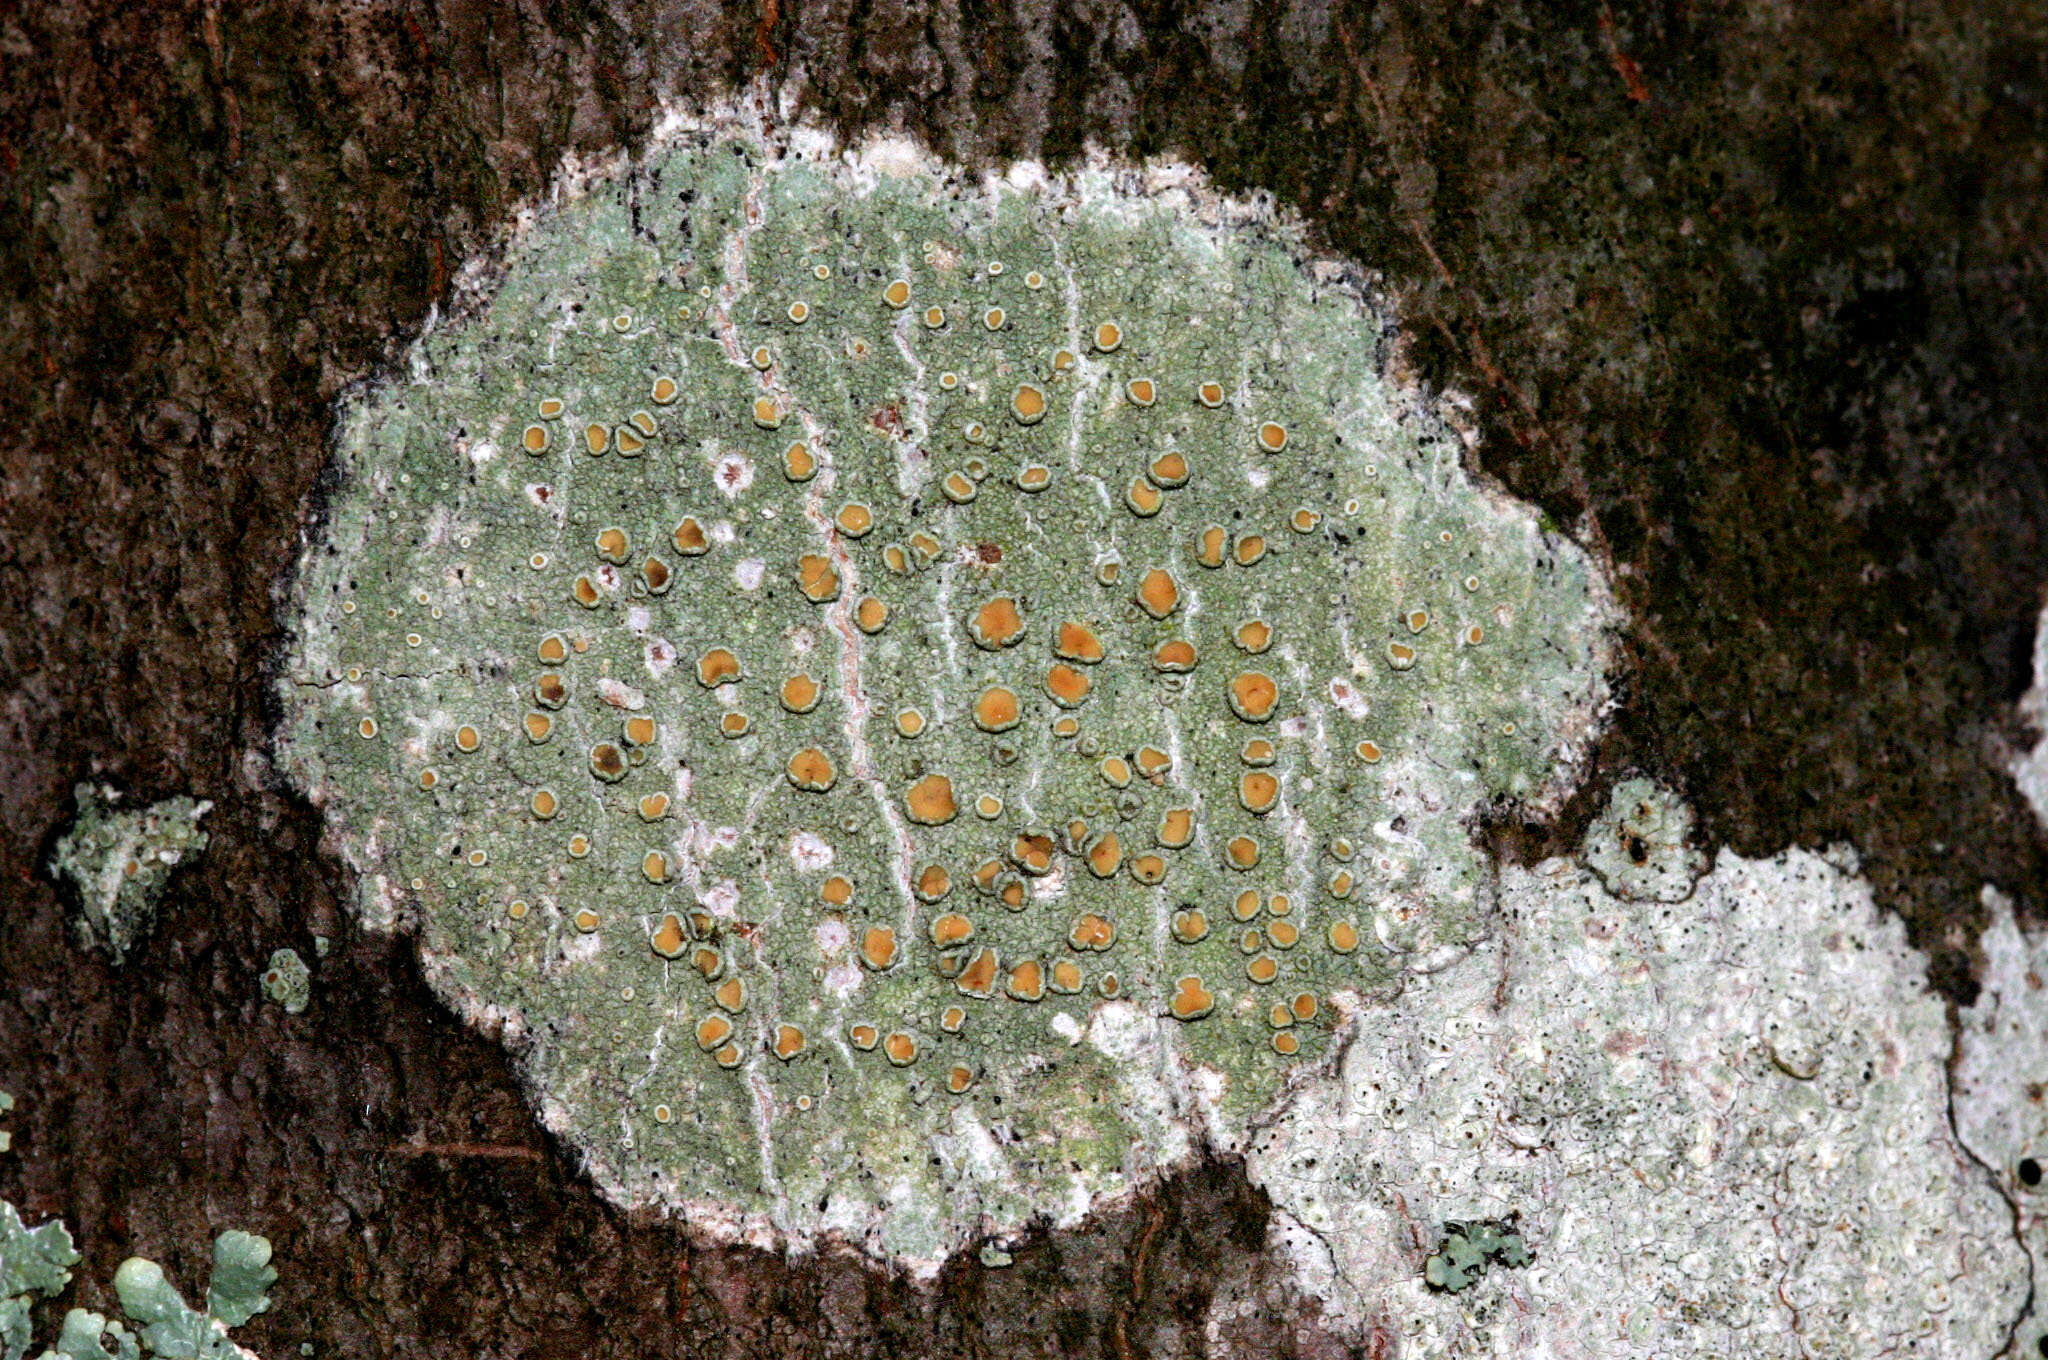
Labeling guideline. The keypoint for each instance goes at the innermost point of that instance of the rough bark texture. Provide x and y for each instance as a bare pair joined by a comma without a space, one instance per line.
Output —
1751,296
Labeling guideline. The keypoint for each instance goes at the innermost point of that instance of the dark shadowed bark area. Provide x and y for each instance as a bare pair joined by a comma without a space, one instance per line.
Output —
1750,297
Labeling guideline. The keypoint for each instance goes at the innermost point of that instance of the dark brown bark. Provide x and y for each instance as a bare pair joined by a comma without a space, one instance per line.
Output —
1751,298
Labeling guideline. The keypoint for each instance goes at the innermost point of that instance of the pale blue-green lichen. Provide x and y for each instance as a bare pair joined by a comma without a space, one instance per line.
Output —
117,862
1466,1250
777,524
36,1263
287,980
33,1261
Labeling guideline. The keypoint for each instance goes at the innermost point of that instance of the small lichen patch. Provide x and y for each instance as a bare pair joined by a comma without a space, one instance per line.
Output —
117,861
1000,634
288,981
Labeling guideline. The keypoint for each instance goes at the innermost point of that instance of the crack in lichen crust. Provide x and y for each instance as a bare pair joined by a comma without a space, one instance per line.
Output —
806,652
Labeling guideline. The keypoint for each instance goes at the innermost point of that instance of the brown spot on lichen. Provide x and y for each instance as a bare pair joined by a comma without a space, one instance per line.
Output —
1141,391
951,930
1091,931
799,464
811,770
1253,696
996,623
1258,791
1191,999
717,666
1026,981
1148,868
1108,336
612,545
539,726
712,1031
1176,828
1028,404
1067,686
930,801
1190,925
854,520
997,709
1241,852
1066,977
1343,936
1077,642
1175,656
668,939
817,578
932,883
1169,469
870,614
1158,593
863,1036
608,762
1143,498
800,693
689,538
900,1049
1032,851
878,948
1106,855
789,1041
1272,436
836,890
978,976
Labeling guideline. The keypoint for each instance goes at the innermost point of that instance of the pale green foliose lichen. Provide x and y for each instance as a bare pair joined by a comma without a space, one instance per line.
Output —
1466,1250
288,981
912,703
33,1261
36,1262
117,861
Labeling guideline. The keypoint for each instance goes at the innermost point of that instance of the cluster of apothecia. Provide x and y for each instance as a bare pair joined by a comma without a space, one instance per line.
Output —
837,652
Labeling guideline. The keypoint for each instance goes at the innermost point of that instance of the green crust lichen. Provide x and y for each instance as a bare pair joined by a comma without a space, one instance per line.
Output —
117,863
603,412
288,981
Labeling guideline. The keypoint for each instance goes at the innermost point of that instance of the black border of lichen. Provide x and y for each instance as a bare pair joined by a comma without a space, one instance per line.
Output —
1748,301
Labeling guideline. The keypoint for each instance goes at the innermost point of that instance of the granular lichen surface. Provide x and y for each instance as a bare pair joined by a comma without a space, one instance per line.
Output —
911,702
